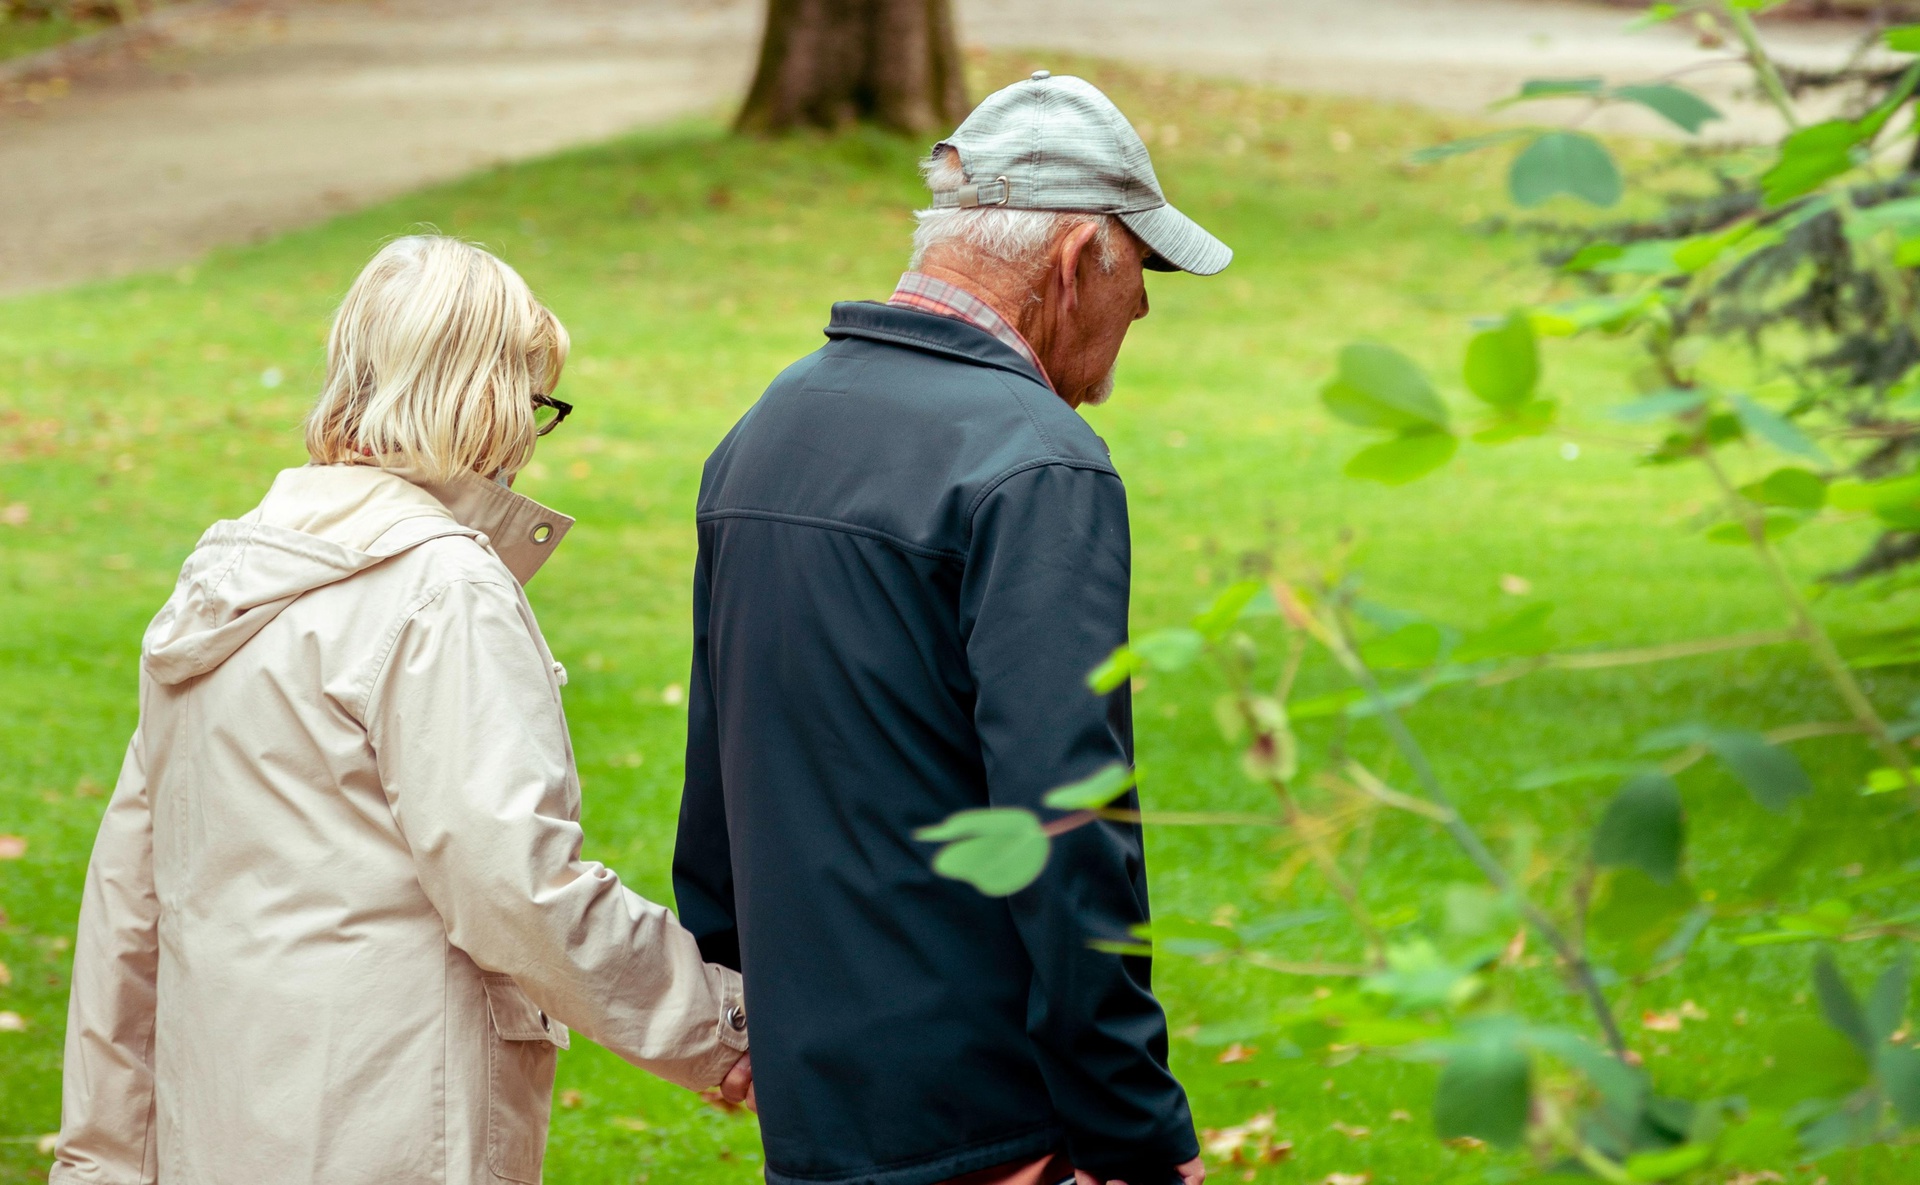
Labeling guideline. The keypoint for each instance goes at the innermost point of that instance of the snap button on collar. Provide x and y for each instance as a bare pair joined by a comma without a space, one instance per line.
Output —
737,1019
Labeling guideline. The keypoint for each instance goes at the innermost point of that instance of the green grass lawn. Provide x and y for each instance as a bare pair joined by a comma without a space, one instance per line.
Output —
690,268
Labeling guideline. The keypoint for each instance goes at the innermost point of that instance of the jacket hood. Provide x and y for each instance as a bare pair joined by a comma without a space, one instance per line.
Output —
318,525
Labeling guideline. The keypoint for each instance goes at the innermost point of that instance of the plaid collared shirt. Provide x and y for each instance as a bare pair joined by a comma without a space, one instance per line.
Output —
919,291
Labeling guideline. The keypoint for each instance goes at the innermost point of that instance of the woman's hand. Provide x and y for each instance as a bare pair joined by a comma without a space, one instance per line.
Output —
737,1087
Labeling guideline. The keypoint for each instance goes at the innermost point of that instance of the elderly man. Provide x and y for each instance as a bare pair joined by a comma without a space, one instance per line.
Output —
912,552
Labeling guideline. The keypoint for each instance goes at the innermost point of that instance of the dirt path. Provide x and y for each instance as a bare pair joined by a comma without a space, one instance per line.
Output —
251,116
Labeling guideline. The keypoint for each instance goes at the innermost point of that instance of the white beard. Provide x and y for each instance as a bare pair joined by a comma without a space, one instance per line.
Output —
1101,392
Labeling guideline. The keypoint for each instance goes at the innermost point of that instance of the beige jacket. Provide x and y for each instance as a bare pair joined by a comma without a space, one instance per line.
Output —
336,923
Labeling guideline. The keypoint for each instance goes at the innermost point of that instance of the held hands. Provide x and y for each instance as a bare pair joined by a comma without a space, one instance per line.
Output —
1191,1173
737,1088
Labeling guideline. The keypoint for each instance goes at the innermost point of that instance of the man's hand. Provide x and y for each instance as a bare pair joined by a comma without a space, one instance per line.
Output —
1191,1173
737,1088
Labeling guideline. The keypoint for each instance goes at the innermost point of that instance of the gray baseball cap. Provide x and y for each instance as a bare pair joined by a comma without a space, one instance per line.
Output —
1059,144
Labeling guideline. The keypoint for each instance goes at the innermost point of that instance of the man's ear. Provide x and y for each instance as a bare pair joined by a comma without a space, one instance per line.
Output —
1073,248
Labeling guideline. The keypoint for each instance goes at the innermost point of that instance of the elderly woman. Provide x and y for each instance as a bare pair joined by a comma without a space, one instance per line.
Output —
336,925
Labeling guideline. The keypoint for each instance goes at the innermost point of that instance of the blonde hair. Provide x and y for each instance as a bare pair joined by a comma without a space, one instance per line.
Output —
433,362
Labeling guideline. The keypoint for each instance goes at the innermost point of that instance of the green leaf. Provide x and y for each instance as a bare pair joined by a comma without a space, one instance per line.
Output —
1503,364
1609,314
1532,418
1377,386
1413,646
1591,256
1227,609
1775,524
1403,458
1809,1061
1811,157
1839,1005
1649,257
1771,774
1418,976
1564,162
1638,912
1790,487
1093,792
1657,406
1678,105
1644,827
1898,1067
1775,429
998,851
1667,1163
1485,1092
1439,152
1903,38
1169,649
1556,88
1518,634
1122,665
1886,779
1887,1003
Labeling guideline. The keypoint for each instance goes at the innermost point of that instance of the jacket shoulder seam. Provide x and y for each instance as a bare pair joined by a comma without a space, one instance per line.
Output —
1001,478
828,524
1026,409
392,640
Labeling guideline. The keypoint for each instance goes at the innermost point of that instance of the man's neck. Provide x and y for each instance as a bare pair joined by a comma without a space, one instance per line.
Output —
1014,308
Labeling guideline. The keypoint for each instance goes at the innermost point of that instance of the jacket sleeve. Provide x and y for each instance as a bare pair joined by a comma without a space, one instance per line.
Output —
106,1120
702,854
471,741
1044,602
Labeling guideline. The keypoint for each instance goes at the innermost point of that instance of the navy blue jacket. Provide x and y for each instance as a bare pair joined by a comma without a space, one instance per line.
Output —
911,554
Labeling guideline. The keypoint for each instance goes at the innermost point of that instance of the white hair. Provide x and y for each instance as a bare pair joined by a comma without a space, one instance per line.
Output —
1018,237
433,362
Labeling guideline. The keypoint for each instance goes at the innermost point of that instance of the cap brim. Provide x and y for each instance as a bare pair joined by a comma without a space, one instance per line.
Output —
1179,244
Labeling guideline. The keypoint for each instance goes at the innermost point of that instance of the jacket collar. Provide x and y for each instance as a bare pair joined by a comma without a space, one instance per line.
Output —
522,532
933,333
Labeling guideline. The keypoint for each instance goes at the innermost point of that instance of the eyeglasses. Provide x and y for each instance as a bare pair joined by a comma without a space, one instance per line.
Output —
548,412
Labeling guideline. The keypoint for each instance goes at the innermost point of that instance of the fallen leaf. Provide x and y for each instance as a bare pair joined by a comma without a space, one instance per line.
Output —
1352,1132
1691,1011
571,1099
672,695
1515,586
1347,1179
6,976
12,847
16,514
632,1123
12,1022
88,788
1237,1053
1660,1022
1399,1116
47,1143
1249,1143
1467,1143
1754,1178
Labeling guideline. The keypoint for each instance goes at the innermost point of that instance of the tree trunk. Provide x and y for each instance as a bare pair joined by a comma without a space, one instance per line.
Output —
830,63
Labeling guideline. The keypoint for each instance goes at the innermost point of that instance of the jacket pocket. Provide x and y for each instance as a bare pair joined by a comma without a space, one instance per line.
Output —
523,1050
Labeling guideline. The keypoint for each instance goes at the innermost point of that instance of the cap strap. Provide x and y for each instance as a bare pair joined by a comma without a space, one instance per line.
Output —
990,193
